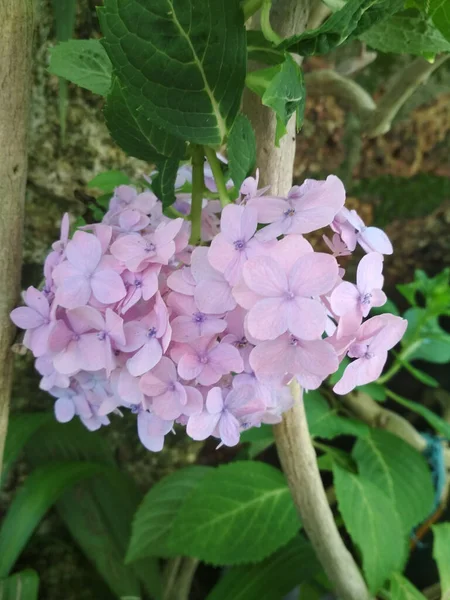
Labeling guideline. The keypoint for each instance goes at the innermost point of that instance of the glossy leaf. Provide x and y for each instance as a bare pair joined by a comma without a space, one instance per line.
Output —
241,150
131,129
240,513
261,50
399,471
83,62
20,586
325,422
373,524
39,492
402,589
355,17
186,60
441,554
406,35
431,342
155,516
163,184
272,578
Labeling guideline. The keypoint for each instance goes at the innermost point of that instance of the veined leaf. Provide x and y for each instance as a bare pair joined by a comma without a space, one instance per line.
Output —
431,342
155,516
131,128
400,471
406,35
374,525
241,150
355,17
41,489
433,419
441,554
261,50
439,11
186,60
402,589
20,586
239,513
272,578
83,62
325,422
164,183
258,438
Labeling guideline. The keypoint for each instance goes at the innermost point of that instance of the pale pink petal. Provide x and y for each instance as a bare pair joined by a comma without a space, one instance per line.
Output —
269,209
85,318
230,222
73,291
93,352
264,276
69,360
168,405
194,401
214,297
182,281
379,298
114,327
229,429
149,439
289,249
270,359
189,366
268,318
108,287
128,388
390,335
345,298
221,253
315,357
317,204
59,337
369,274
274,230
26,318
314,274
225,358
360,372
249,223
84,251
306,318
200,427
166,232
373,239
64,410
244,296
145,358
214,401
150,282
36,300
39,340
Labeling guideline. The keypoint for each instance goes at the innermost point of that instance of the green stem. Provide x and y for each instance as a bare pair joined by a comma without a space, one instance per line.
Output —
198,184
218,176
170,576
175,213
185,578
266,27
250,7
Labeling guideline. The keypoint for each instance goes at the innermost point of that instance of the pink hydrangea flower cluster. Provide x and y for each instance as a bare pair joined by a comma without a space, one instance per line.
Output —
133,318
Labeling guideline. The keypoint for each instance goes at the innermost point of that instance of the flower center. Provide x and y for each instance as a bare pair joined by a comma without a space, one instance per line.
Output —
289,295
138,283
134,409
290,212
203,359
151,333
150,247
198,317
369,355
241,343
365,299
239,245
76,337
294,341
101,335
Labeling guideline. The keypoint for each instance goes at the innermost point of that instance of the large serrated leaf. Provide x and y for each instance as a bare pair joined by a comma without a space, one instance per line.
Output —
39,492
241,150
155,516
441,554
355,17
272,578
163,184
406,35
402,589
20,586
83,62
186,59
325,422
239,513
400,471
131,128
374,525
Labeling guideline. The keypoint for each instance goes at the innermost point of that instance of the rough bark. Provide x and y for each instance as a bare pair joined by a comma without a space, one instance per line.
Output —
17,19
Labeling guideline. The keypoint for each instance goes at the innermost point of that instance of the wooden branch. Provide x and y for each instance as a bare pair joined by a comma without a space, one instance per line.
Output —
16,38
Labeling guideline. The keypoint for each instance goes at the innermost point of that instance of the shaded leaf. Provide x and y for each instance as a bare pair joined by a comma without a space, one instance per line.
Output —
325,422
373,524
261,50
431,342
131,129
163,184
258,438
433,419
20,586
374,390
186,60
272,578
155,516
39,492
441,554
241,512
83,62
241,150
402,589
107,182
400,471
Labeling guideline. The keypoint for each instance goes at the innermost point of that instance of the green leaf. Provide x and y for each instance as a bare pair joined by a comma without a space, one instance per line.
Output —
20,586
187,60
20,428
286,94
373,524
258,438
439,11
420,375
83,62
400,471
241,150
41,489
131,129
332,456
163,184
355,17
272,578
155,517
108,181
240,513
406,35
374,390
436,290
402,589
325,422
431,342
433,419
64,12
441,554
99,511
261,50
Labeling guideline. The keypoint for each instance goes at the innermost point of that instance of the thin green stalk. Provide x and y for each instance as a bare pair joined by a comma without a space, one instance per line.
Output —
170,576
266,27
185,578
250,7
218,176
176,213
198,184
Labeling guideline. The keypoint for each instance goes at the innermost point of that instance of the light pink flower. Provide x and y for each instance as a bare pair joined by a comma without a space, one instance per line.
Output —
234,245
374,338
352,230
360,298
35,318
212,292
139,285
191,323
308,207
337,246
206,360
50,376
182,280
152,429
86,273
287,302
170,399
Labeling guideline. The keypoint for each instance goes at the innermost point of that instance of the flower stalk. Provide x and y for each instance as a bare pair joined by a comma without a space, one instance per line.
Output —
198,184
218,176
